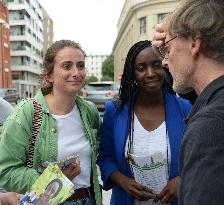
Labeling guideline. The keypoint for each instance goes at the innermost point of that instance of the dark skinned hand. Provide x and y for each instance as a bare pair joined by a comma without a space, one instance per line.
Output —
169,193
138,191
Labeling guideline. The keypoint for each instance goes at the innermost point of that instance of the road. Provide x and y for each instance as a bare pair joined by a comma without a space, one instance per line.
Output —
106,194
106,197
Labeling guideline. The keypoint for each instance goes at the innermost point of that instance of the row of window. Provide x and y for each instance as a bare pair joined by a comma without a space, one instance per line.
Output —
143,22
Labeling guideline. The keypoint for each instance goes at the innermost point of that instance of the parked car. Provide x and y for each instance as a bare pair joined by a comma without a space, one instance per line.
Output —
100,92
10,94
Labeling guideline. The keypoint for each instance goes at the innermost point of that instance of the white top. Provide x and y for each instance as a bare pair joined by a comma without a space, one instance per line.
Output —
149,142
72,140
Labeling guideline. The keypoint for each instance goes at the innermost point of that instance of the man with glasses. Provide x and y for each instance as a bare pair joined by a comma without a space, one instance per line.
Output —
191,44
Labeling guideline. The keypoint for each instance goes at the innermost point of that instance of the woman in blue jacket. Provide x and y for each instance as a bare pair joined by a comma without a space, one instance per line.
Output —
146,119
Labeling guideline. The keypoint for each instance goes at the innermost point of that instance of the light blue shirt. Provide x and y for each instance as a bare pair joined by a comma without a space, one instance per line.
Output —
5,110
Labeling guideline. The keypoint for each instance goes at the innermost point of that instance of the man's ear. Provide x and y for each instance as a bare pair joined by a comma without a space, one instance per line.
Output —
195,46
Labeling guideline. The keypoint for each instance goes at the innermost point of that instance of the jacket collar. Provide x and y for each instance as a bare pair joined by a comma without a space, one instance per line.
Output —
40,98
206,95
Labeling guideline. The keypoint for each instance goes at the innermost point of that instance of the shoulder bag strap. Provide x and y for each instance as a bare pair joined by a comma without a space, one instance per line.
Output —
37,120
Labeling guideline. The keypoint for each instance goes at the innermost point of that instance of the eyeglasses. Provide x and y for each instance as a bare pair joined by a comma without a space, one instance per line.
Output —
164,48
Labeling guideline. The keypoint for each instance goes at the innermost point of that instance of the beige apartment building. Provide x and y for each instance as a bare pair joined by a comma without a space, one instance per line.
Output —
48,31
137,21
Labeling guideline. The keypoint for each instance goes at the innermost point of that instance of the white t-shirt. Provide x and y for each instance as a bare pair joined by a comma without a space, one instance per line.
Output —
147,143
72,140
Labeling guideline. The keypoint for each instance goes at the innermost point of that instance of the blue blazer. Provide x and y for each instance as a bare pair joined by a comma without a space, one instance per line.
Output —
113,139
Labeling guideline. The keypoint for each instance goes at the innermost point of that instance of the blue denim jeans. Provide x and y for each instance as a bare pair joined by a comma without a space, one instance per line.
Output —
84,201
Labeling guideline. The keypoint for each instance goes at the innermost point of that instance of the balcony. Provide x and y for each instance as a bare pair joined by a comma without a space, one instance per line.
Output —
25,37
33,13
28,53
27,68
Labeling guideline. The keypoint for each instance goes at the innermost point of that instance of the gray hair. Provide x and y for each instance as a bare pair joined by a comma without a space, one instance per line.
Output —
203,19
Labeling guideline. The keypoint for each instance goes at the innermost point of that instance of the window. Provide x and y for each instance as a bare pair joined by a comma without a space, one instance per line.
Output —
142,22
161,17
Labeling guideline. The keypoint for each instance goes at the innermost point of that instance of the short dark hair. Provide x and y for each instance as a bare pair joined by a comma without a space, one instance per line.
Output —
58,181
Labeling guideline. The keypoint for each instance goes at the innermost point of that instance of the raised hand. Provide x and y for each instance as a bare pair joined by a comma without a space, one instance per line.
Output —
159,35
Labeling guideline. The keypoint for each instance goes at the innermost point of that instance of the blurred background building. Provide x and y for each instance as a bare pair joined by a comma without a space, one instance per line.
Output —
5,66
94,65
137,21
30,29
26,40
48,32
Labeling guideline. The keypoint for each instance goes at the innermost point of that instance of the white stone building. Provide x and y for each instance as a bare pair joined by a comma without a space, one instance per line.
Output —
94,65
137,21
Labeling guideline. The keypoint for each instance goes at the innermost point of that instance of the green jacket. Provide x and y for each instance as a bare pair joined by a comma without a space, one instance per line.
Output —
14,145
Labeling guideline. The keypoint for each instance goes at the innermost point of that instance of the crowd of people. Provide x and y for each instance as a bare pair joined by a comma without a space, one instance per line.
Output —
147,118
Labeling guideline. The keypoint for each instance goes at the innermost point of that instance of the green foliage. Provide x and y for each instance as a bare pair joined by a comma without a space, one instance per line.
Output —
108,68
91,78
107,78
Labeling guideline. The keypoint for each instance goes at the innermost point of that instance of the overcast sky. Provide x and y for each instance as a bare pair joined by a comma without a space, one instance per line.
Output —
92,23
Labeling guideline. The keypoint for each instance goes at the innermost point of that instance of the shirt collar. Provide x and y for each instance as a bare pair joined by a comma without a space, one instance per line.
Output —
206,95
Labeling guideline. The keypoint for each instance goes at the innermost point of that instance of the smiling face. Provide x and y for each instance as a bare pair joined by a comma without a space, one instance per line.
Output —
50,192
69,71
149,74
